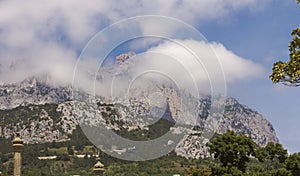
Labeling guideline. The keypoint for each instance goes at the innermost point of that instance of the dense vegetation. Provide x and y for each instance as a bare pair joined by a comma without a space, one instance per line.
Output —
234,154
237,155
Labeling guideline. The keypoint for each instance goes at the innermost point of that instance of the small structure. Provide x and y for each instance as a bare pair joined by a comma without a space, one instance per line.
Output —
98,168
17,148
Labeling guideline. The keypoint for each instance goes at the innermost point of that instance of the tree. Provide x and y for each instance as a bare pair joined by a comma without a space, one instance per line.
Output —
233,150
293,164
281,172
261,154
227,171
289,72
276,151
199,171
70,150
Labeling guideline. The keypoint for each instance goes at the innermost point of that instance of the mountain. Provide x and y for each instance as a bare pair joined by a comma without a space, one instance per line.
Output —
32,91
237,117
44,112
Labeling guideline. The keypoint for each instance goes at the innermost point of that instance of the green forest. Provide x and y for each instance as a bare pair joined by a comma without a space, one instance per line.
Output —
233,155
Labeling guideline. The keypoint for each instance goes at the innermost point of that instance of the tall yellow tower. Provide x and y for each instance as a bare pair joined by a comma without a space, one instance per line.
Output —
17,148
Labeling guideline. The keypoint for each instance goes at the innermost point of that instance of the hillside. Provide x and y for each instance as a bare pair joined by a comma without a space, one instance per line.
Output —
42,111
40,121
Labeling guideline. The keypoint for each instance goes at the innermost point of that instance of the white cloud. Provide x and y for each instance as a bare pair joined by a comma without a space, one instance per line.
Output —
45,36
194,66
236,68
211,56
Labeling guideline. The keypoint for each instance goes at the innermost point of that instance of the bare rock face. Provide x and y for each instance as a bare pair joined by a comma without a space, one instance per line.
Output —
43,112
56,122
236,117
34,123
123,57
244,120
192,147
32,91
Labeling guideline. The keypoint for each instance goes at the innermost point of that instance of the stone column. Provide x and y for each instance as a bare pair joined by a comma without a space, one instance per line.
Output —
17,148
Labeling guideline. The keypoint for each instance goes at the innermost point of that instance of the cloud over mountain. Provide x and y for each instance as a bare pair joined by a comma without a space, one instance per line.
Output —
45,37
235,68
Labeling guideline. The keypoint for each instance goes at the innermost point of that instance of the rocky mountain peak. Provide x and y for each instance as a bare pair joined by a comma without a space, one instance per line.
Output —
40,123
32,91
125,56
44,112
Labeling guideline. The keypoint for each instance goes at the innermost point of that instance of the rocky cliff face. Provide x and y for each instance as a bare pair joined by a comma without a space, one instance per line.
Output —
238,118
39,122
242,119
42,112
32,91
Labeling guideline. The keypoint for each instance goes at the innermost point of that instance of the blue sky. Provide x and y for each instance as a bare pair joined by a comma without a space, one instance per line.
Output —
264,37
47,37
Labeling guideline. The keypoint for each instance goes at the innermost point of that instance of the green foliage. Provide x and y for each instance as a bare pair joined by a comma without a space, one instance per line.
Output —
227,171
261,154
164,166
233,150
154,131
289,72
266,168
199,171
168,165
293,164
272,151
70,150
24,115
57,151
281,172
276,151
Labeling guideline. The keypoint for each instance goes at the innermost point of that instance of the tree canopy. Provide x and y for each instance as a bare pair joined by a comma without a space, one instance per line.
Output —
238,155
293,163
276,151
289,72
233,150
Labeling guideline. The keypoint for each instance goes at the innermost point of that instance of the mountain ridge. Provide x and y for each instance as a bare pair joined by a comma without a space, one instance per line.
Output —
50,115
42,111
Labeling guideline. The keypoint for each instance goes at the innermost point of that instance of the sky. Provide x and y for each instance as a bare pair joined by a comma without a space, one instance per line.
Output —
248,36
263,37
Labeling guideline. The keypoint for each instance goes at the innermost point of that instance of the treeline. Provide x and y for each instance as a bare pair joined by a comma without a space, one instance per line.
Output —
237,155
232,155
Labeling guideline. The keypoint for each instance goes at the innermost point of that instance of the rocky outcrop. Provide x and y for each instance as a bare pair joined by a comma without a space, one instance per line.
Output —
244,120
43,112
47,123
236,117
123,57
34,124
32,91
